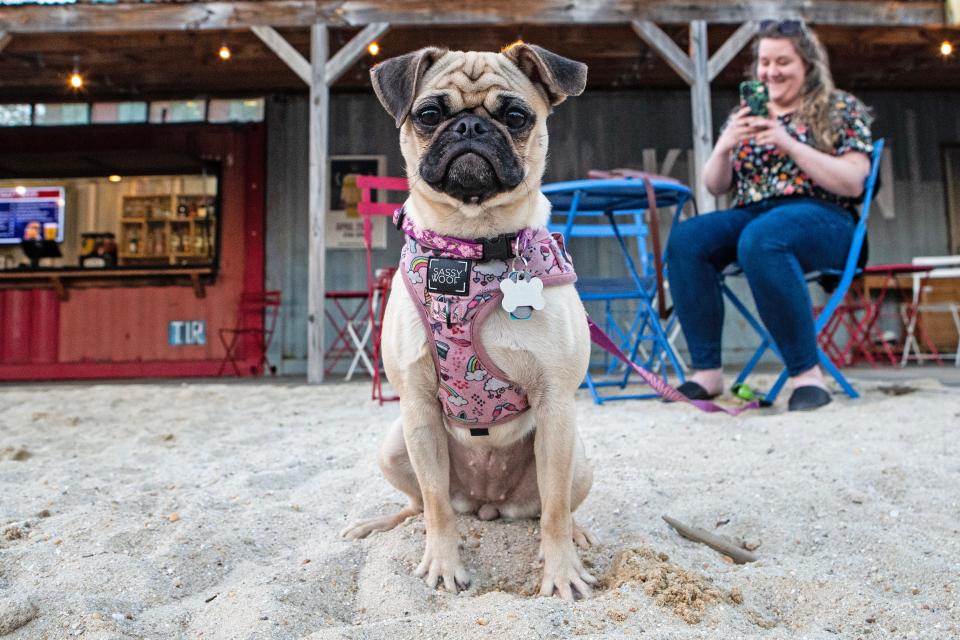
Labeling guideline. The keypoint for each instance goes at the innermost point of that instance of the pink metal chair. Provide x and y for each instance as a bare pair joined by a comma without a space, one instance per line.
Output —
378,280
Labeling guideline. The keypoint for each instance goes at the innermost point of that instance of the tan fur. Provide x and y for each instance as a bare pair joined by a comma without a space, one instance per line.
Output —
546,355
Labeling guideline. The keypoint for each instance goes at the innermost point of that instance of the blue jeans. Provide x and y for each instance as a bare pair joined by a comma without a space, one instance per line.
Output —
775,242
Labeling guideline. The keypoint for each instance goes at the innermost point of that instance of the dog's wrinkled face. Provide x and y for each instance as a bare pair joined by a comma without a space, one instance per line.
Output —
473,124
472,143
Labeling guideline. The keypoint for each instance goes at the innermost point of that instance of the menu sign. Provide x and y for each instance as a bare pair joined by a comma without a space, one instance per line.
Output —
31,210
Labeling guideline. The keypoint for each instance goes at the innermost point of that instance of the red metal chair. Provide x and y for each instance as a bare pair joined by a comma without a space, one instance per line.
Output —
378,280
257,316
343,311
858,316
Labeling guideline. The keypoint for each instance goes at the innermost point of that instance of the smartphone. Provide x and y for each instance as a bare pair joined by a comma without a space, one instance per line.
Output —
753,93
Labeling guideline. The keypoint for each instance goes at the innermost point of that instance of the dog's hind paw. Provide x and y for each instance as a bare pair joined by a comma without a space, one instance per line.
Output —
362,528
583,537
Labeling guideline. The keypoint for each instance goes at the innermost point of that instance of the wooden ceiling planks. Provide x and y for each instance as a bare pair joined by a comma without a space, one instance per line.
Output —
124,65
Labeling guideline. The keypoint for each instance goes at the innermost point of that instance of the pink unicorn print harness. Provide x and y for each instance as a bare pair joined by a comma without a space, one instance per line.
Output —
455,285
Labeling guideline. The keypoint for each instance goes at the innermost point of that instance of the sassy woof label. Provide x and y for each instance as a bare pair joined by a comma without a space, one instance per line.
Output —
446,275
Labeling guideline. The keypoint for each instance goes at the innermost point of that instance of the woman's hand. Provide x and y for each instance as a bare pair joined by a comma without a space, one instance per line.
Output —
718,170
739,128
770,132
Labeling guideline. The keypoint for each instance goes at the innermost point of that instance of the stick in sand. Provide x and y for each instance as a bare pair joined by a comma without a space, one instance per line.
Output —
738,555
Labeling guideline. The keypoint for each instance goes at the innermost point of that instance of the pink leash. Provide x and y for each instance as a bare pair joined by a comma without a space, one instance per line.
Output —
603,341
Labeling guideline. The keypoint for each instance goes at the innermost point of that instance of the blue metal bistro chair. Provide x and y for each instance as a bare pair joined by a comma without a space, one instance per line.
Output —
614,209
827,278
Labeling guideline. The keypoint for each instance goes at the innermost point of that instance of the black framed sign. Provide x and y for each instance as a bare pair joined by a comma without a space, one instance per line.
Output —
345,231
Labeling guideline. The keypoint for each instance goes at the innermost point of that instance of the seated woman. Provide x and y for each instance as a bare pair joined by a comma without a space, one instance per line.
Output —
797,174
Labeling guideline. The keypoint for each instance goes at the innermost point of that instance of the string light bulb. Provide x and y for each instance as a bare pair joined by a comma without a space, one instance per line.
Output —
373,48
114,178
946,48
224,52
75,80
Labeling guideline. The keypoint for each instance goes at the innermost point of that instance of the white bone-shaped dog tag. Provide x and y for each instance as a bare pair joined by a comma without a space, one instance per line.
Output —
521,289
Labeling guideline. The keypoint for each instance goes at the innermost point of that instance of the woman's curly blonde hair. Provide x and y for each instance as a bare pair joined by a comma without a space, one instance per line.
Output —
818,95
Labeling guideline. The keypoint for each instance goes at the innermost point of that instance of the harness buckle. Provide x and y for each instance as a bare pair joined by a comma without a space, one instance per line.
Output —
498,247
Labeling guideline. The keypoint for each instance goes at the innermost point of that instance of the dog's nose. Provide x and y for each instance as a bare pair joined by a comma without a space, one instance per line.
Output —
471,127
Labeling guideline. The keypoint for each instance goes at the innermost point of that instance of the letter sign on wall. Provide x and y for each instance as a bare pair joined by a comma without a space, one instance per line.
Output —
181,333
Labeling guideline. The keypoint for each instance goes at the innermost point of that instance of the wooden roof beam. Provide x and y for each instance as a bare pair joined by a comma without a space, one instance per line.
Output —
729,49
297,13
156,16
285,51
665,47
351,52
335,66
841,12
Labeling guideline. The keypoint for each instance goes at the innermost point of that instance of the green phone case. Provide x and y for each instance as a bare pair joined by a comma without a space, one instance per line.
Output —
753,93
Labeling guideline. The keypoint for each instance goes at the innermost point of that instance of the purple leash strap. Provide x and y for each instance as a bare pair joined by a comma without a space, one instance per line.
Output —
603,341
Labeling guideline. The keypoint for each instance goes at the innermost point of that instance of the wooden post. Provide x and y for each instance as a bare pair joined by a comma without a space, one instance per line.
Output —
702,118
319,194
697,70
319,74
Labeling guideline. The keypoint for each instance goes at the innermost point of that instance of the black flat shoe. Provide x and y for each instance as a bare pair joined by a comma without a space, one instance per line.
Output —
808,398
694,391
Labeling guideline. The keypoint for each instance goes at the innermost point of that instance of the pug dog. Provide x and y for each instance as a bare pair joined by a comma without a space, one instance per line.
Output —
473,134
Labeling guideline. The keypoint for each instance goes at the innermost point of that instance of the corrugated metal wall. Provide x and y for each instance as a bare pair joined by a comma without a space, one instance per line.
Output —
30,319
358,126
597,130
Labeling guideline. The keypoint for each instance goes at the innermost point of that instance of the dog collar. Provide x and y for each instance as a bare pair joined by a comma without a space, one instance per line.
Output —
501,247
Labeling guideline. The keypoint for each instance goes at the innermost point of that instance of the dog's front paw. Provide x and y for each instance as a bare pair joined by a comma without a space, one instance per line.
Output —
563,573
441,559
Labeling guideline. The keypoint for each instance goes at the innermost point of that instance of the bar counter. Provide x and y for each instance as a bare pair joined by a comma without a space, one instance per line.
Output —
62,279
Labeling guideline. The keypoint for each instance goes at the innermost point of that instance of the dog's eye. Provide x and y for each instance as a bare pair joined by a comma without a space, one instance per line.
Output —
515,118
429,116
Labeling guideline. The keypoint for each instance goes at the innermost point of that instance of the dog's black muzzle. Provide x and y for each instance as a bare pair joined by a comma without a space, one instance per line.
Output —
471,160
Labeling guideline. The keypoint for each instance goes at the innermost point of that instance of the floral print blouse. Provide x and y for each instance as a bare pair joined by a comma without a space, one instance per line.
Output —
763,172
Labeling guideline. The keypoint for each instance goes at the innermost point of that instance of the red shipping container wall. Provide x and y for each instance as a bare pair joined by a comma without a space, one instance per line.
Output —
123,331
29,321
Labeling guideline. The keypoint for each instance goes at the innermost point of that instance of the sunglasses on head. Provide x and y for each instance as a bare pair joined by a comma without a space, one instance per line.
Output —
783,27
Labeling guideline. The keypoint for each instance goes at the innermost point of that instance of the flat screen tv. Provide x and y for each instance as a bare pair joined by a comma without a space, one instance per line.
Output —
29,211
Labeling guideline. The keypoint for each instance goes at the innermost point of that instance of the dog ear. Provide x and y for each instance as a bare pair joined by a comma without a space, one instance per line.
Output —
559,76
395,80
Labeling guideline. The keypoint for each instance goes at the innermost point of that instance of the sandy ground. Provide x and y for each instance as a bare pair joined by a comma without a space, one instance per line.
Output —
212,511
